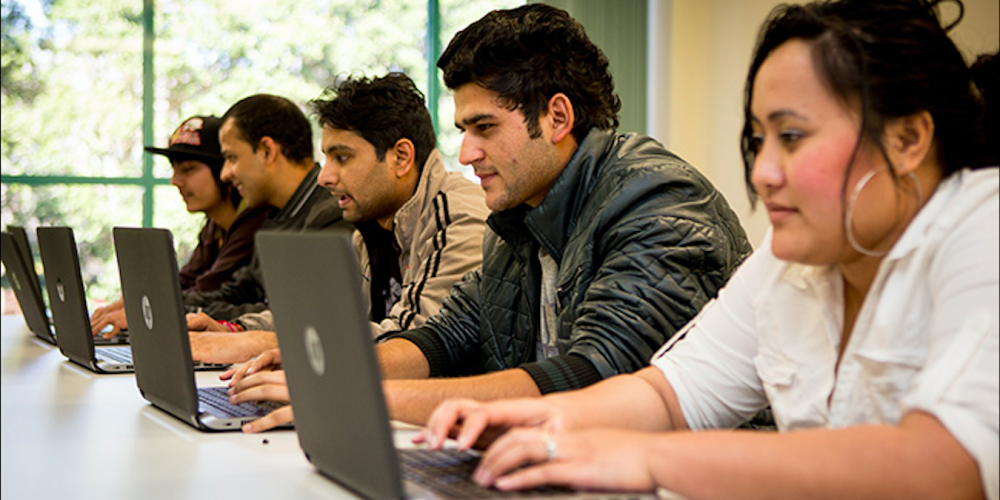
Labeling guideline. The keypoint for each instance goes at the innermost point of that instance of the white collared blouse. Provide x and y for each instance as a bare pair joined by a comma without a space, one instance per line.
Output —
926,337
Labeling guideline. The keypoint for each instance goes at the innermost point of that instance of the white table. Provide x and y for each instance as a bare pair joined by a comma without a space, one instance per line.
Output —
73,434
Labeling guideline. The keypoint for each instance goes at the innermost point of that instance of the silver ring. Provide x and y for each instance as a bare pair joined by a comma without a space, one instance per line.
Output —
550,446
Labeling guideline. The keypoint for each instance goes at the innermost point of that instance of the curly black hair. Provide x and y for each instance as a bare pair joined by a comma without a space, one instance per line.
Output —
529,54
381,110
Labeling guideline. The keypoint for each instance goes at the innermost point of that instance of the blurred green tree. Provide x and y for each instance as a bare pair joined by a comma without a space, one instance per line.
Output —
72,86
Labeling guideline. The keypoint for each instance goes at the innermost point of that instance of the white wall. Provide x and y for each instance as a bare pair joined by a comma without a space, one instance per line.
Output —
699,54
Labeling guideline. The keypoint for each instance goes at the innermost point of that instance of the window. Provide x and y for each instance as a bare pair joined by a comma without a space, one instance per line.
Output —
86,83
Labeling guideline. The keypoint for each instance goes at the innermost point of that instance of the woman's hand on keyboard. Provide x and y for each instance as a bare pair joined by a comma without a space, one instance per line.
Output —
475,424
596,459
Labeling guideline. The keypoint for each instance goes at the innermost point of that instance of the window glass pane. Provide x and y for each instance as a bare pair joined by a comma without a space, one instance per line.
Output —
455,16
72,88
91,210
212,53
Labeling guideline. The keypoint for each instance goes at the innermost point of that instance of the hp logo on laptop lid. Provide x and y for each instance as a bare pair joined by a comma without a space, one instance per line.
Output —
147,312
314,350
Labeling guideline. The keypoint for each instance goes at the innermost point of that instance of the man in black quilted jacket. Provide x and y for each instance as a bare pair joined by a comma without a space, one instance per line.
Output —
601,245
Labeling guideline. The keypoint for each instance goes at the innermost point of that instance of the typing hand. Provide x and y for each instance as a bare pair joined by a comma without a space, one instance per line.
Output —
263,386
476,424
268,360
112,314
228,347
587,460
201,322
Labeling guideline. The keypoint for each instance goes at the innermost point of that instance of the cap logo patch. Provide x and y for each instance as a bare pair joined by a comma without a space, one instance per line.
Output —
188,133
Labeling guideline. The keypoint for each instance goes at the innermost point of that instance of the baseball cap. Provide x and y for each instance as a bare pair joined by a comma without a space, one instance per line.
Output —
197,137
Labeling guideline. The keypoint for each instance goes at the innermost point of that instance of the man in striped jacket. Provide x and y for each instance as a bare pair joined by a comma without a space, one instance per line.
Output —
419,227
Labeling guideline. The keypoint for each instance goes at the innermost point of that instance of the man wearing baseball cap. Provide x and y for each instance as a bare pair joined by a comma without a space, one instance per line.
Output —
225,243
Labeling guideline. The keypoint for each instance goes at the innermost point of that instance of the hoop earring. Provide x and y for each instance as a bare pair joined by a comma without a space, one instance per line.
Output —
849,213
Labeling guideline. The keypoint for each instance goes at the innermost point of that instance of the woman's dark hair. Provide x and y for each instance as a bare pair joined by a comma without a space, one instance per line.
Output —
529,54
986,74
894,59
382,111
265,115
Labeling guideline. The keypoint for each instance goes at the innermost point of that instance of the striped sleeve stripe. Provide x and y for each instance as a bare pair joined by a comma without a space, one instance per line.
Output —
442,217
444,230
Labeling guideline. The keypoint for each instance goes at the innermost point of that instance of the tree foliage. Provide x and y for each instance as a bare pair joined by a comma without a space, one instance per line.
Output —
73,82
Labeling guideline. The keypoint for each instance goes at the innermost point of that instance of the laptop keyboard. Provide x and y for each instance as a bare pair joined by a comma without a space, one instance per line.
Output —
449,473
217,398
120,355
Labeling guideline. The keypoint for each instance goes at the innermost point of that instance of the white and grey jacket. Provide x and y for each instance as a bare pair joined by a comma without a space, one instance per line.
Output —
440,234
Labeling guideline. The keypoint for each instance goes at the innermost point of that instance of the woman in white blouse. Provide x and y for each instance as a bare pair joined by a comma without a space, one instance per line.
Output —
867,319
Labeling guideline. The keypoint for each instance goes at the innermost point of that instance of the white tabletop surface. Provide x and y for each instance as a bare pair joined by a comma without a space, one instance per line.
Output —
70,433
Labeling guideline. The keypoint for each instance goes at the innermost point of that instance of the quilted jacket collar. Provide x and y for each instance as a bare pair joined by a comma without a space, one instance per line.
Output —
553,220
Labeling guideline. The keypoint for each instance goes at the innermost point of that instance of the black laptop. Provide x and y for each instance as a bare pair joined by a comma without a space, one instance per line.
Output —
17,259
161,347
70,315
314,290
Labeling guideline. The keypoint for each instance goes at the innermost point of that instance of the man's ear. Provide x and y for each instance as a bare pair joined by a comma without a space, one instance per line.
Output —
270,149
403,156
909,141
560,113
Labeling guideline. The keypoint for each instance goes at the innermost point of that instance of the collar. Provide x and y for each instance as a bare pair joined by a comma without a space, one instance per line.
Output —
432,177
953,199
301,195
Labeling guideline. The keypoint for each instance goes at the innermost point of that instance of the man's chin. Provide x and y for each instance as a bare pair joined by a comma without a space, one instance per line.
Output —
499,203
